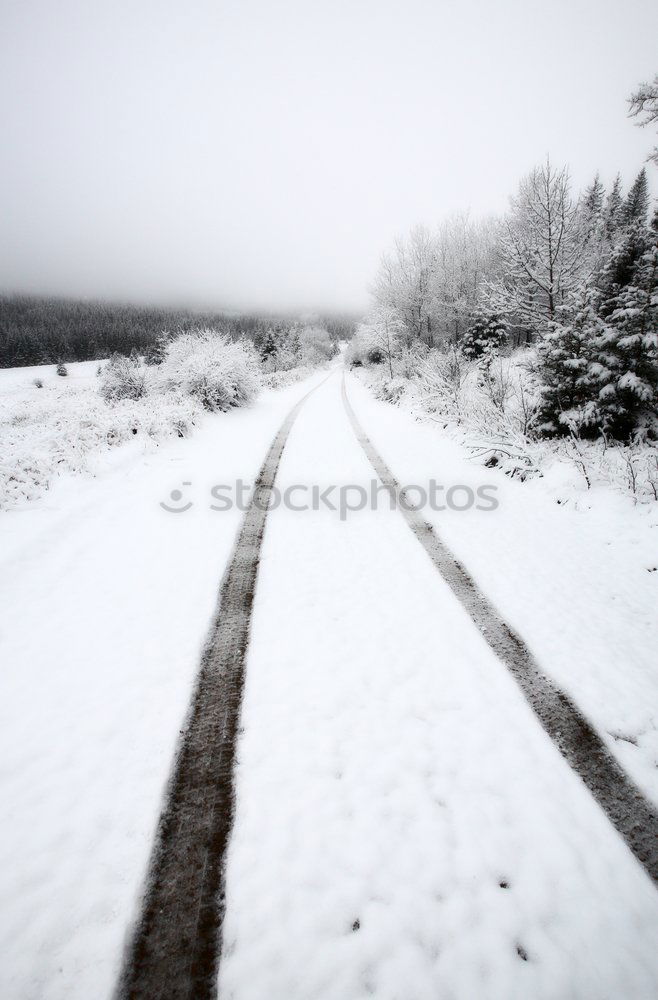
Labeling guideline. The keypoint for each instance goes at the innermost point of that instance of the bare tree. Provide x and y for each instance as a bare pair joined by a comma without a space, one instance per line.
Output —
464,262
381,336
644,102
405,284
541,247
432,282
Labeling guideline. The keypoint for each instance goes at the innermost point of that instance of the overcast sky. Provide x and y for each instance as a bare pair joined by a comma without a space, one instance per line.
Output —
257,153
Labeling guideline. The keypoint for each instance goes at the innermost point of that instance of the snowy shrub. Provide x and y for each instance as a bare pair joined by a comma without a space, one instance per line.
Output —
156,353
315,346
442,378
485,336
38,382
281,379
122,378
628,469
282,361
62,369
220,373
409,359
63,431
361,348
391,390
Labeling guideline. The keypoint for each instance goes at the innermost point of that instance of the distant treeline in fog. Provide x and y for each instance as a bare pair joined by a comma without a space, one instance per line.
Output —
46,330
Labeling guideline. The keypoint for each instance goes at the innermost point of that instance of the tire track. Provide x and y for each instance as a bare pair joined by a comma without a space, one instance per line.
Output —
625,806
174,949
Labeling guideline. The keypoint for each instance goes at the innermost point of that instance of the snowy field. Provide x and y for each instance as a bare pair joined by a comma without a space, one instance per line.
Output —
62,425
404,827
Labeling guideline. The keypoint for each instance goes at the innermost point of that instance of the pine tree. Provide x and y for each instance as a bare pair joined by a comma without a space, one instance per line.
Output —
270,346
592,212
565,353
614,210
619,268
636,206
485,336
626,365
157,352
592,203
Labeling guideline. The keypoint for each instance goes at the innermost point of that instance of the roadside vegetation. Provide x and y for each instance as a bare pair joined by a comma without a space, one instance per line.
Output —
50,425
533,336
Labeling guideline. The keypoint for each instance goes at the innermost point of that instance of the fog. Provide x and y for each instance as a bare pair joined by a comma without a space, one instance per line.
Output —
262,154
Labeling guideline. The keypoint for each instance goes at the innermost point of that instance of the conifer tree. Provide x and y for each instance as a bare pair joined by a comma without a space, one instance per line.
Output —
486,334
593,216
614,210
626,354
619,268
636,205
565,353
592,203
270,346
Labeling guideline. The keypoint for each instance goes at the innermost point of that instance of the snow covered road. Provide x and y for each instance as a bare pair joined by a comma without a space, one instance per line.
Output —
404,827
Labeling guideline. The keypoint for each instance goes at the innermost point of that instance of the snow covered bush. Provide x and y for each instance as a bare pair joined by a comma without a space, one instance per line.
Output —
122,378
65,430
285,377
219,372
315,346
391,390
485,336
442,379
366,348
156,353
64,427
280,348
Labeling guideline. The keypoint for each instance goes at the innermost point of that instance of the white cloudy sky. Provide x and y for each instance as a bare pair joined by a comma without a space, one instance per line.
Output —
262,153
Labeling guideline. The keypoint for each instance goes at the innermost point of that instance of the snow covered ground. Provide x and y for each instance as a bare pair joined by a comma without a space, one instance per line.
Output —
404,827
578,579
62,425
105,599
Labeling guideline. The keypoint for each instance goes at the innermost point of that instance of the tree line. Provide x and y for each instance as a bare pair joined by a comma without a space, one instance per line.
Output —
574,273
35,330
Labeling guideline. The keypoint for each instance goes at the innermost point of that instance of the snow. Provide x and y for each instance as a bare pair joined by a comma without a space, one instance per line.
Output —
106,600
65,426
575,578
404,827
61,424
